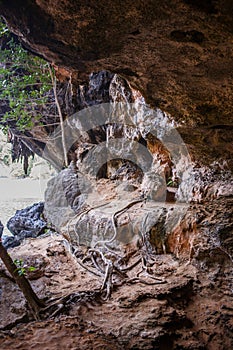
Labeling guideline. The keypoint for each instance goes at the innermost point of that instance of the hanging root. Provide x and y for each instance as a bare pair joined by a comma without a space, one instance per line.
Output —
107,283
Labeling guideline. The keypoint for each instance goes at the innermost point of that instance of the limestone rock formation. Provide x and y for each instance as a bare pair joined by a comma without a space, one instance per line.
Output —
174,57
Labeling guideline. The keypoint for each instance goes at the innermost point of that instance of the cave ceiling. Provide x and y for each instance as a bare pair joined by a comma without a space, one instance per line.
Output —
179,54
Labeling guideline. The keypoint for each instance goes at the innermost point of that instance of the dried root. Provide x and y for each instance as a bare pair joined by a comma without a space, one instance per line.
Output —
60,305
104,262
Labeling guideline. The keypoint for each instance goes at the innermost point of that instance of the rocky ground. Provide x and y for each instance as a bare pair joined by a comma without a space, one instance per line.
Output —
192,309
178,296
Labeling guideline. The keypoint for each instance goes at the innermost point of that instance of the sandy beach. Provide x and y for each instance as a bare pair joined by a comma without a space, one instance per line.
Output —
18,194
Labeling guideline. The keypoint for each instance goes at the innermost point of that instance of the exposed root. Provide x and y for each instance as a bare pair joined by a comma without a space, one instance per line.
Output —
107,283
61,305
107,264
140,280
87,268
110,269
114,216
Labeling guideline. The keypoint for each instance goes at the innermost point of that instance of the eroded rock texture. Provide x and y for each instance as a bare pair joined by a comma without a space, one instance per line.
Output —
176,56
191,230
178,53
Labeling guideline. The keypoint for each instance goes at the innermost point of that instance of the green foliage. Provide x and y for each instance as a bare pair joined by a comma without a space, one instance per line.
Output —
172,182
22,268
3,28
24,83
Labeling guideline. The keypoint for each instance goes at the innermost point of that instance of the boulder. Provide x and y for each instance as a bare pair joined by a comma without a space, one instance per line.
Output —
26,223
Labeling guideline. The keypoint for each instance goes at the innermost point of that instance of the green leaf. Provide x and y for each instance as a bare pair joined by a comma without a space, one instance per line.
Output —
24,83
31,269
21,271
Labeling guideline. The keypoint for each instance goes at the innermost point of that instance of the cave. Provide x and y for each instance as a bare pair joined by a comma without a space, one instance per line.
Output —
136,231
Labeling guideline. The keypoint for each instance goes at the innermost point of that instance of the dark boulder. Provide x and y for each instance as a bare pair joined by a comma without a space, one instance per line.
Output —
26,223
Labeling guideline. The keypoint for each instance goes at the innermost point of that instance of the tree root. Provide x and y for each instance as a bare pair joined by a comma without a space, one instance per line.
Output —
61,305
108,267
105,263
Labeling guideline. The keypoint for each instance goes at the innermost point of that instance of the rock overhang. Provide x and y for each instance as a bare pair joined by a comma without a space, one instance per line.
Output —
177,53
